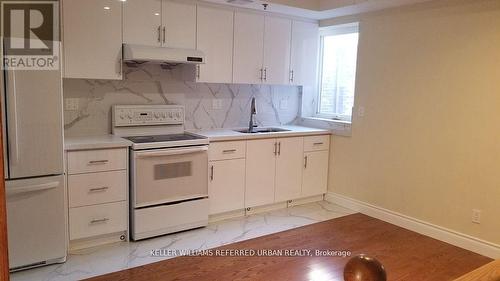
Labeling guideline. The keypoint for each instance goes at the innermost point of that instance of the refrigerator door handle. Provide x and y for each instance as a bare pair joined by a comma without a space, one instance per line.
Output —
32,188
12,115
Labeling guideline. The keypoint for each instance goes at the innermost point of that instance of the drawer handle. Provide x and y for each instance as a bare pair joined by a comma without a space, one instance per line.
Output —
229,151
98,189
96,221
98,162
318,143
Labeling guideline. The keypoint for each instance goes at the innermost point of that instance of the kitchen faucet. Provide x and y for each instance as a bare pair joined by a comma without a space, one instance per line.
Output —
252,124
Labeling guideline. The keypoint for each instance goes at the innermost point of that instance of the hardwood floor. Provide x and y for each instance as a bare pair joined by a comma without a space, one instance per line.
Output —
406,255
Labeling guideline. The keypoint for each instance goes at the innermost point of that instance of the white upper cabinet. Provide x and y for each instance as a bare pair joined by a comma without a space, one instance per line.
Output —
92,38
248,48
159,23
142,22
277,40
179,25
215,40
304,56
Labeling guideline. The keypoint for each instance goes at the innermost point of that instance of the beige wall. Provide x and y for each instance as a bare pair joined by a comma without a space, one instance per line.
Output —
429,143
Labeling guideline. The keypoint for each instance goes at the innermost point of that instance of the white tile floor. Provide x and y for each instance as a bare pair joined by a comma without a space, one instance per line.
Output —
115,257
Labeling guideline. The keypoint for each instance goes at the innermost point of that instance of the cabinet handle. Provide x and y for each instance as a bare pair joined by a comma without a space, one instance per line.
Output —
305,162
198,70
265,74
95,221
318,143
159,34
229,151
275,151
291,76
279,148
212,173
164,35
98,162
98,189
261,74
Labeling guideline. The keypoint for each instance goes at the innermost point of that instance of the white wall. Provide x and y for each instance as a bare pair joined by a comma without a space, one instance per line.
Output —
429,143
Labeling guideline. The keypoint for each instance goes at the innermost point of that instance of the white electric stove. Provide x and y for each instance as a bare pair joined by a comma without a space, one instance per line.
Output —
169,170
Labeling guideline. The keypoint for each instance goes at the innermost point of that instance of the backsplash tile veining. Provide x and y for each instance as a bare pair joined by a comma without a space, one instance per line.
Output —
208,106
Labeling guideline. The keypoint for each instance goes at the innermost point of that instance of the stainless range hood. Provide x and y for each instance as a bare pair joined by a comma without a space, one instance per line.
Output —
159,55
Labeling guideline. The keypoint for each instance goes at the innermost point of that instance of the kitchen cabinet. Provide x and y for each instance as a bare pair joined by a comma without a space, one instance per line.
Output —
92,39
226,188
97,182
159,23
277,40
315,172
142,22
304,53
179,25
289,169
215,40
248,48
260,172
274,171
261,49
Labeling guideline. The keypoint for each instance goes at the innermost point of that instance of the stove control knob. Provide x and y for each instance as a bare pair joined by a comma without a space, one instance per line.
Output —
164,115
170,114
129,115
178,114
157,115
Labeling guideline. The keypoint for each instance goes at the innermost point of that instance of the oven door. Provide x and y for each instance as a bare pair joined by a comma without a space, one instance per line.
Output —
169,175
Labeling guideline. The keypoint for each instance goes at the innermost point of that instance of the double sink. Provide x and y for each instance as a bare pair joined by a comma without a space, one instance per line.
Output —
261,130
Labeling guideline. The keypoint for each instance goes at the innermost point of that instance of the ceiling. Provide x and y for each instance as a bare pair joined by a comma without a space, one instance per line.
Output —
321,9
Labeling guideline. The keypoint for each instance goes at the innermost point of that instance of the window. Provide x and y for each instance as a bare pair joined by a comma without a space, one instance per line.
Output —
338,56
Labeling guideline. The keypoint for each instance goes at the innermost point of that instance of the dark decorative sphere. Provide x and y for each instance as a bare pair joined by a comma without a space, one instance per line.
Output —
364,268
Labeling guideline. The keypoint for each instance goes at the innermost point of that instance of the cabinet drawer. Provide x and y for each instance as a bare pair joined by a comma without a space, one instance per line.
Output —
97,188
97,220
316,143
227,150
87,161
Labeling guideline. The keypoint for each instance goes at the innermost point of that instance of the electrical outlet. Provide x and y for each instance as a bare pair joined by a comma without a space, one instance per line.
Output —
284,104
71,104
476,216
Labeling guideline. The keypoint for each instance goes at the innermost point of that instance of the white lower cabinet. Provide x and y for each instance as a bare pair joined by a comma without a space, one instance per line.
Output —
260,172
315,172
289,169
97,182
255,173
226,189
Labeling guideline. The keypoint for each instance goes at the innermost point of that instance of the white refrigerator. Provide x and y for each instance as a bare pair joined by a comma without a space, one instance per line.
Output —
33,160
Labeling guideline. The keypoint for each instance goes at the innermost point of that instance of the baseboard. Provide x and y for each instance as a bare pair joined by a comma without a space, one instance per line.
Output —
437,232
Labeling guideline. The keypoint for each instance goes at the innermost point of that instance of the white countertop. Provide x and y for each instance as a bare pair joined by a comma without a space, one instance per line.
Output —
95,142
229,134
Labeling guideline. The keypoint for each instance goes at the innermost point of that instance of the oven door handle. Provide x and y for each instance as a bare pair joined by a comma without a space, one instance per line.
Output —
170,152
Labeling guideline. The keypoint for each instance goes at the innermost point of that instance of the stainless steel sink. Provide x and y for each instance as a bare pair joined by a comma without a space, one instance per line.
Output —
261,130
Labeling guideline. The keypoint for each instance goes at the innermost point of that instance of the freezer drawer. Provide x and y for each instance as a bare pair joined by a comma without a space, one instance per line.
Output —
36,221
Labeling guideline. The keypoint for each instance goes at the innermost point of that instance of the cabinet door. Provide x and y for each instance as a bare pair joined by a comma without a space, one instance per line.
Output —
304,57
179,25
226,190
289,165
260,172
215,39
92,39
142,22
248,48
277,40
315,175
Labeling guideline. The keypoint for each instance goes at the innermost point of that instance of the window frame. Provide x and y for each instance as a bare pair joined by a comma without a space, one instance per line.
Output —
329,31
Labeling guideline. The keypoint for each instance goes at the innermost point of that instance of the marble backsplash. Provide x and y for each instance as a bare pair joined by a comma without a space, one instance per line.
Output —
208,106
